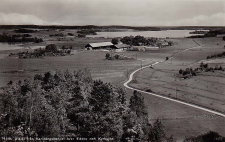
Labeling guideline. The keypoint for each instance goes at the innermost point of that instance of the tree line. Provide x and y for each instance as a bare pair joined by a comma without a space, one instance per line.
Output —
141,40
19,38
65,104
49,50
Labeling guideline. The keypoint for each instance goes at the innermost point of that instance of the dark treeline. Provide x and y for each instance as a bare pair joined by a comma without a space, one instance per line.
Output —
207,137
87,32
146,41
145,28
203,67
25,31
49,50
216,56
19,38
211,33
198,32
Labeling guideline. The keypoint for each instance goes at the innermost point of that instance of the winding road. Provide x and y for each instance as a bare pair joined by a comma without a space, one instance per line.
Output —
167,98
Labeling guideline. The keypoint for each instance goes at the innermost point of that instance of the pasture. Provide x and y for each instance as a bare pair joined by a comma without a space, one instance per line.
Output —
205,89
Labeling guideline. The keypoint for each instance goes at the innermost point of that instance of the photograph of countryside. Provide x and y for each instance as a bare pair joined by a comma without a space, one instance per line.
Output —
112,70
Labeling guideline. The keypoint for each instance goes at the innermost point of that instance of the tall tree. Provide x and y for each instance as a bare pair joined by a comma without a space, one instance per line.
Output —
115,41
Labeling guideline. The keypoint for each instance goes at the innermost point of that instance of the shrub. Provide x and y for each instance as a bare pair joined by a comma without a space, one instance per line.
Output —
117,56
81,35
70,34
180,71
187,71
51,48
205,66
38,77
207,137
167,58
194,73
107,55
149,90
184,73
115,41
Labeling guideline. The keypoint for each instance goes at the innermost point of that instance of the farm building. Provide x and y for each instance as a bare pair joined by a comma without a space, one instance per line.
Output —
122,46
100,45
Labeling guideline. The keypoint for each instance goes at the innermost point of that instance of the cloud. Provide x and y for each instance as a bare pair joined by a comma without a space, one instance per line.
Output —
201,20
113,12
22,19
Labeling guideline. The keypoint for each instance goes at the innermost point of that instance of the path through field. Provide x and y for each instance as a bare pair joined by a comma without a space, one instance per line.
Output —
182,119
167,98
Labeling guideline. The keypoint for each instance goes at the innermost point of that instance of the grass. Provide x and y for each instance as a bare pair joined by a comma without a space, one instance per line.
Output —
106,70
206,89
179,120
203,89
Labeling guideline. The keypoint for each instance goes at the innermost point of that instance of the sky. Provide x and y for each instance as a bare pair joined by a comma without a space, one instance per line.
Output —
113,12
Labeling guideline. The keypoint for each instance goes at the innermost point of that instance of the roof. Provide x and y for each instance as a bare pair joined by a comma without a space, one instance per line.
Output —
100,44
122,46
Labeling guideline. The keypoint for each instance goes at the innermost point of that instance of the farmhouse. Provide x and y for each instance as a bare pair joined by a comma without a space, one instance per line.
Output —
100,45
122,46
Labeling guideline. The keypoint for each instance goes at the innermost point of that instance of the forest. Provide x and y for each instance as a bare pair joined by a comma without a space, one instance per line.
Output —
71,105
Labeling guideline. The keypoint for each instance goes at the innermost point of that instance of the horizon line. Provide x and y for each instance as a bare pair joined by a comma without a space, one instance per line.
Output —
102,25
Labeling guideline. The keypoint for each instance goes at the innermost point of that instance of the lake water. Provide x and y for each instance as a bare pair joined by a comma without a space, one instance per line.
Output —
158,34
6,46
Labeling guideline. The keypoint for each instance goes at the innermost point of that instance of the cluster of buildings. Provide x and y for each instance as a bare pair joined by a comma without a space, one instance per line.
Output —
109,46
106,45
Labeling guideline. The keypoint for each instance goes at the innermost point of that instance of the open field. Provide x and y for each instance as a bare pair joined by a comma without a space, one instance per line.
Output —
109,71
206,89
182,121
179,120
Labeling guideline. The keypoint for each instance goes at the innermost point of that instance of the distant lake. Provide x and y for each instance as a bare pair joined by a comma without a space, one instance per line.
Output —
158,34
6,46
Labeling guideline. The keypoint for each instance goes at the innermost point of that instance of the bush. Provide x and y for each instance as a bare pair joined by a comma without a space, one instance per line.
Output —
184,73
38,77
51,48
194,73
115,41
205,66
107,55
117,56
149,90
188,71
180,71
167,58
70,34
81,35
68,51
207,137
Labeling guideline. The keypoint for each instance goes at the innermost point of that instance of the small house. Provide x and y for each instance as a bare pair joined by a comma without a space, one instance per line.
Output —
122,46
100,45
